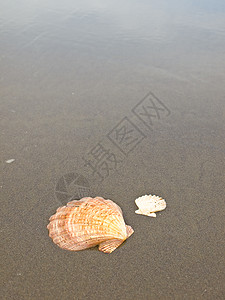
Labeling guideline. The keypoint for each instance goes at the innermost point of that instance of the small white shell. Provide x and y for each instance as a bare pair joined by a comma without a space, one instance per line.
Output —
149,204
9,161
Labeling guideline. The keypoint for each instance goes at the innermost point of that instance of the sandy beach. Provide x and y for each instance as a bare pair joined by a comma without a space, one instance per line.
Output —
116,100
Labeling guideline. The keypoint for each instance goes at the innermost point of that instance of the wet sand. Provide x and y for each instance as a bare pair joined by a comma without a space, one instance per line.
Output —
74,117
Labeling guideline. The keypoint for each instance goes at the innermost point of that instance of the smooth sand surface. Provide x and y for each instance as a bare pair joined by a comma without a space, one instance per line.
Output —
74,117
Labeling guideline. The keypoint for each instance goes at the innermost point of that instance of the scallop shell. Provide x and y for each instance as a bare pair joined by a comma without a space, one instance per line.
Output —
149,204
88,222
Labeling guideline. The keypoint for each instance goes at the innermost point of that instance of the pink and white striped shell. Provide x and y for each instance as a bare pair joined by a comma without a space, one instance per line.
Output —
88,222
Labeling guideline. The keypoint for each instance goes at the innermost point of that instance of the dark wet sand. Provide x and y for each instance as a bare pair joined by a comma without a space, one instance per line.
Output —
69,74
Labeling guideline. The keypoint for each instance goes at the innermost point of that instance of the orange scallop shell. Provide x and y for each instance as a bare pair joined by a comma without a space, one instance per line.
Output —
88,222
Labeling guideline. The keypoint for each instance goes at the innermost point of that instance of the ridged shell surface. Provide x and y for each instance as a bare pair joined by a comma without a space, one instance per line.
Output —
89,222
149,204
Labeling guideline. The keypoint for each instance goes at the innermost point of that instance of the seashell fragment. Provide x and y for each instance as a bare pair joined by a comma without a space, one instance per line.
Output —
9,161
88,222
149,204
